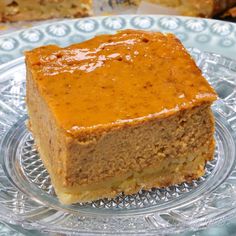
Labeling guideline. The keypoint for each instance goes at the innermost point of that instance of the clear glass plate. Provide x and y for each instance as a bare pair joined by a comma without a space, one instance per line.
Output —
27,197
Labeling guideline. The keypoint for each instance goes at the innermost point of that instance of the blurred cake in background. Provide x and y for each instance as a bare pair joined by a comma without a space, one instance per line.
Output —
202,8
20,10
30,10
230,13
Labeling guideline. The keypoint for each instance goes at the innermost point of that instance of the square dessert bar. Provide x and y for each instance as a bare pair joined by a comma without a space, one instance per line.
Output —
119,113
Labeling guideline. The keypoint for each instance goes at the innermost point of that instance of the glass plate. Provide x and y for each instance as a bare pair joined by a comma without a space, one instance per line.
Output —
27,197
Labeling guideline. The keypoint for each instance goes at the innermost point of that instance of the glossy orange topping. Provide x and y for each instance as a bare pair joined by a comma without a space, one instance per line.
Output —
118,78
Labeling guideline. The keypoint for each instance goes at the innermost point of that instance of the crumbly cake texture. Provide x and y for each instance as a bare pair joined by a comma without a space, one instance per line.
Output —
24,10
203,8
119,113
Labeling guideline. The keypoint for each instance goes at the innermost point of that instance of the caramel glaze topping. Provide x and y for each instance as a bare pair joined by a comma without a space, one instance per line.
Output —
117,79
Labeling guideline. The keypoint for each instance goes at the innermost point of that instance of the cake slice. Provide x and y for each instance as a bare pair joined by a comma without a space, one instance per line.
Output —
119,113
21,10
203,8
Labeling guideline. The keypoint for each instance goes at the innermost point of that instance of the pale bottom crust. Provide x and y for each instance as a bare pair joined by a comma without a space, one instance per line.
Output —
169,172
112,187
